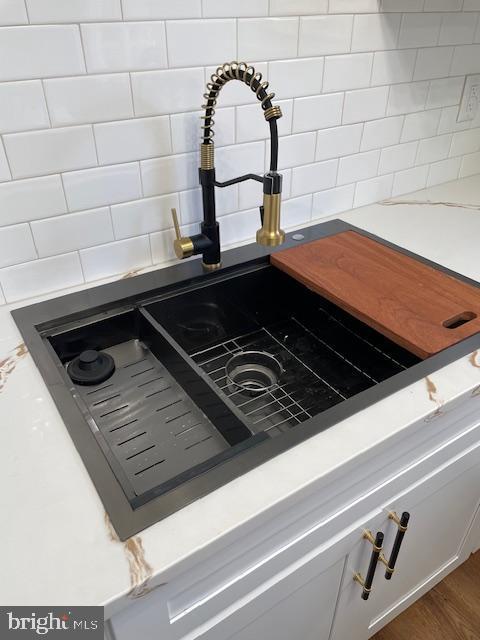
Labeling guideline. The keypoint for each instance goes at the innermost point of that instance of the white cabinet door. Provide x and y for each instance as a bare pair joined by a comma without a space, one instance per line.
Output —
441,510
296,604
306,613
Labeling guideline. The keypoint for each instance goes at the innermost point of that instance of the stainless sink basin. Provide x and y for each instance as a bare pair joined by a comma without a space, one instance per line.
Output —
213,374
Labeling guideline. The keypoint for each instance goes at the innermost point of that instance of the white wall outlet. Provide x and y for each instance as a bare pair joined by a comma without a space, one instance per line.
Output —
470,99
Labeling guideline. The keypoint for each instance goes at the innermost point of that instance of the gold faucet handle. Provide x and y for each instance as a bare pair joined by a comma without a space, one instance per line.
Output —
182,245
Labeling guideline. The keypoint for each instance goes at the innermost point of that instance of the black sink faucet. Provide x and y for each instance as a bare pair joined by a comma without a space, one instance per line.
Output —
208,241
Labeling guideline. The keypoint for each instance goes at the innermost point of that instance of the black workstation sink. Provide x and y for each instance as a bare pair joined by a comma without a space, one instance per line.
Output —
205,376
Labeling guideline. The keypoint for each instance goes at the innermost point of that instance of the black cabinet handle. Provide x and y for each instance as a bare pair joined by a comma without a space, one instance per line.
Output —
402,525
377,544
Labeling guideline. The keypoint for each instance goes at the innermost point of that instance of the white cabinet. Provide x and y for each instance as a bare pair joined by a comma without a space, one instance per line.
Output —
441,510
285,584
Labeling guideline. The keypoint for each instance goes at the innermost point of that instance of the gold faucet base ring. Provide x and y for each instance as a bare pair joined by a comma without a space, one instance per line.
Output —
211,267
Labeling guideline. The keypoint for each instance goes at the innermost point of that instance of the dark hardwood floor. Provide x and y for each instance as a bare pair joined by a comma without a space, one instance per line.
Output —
450,611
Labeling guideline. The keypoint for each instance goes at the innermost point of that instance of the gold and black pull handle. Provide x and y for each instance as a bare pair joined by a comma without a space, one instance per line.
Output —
377,544
402,525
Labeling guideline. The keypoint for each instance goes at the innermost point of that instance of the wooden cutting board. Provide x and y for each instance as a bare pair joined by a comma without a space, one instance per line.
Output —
420,308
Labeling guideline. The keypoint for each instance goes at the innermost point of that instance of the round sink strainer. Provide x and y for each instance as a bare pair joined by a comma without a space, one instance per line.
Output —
254,372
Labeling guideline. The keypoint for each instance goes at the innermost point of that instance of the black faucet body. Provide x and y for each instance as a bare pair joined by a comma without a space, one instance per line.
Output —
207,242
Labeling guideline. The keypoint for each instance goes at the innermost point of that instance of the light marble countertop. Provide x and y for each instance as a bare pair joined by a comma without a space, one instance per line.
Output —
59,547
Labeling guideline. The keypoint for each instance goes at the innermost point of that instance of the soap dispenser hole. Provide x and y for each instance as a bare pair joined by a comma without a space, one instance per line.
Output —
459,320
253,372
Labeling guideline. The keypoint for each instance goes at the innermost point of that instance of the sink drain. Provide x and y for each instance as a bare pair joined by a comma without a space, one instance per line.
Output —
254,372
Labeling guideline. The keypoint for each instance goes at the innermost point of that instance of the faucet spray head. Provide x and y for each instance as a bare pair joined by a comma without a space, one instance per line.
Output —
270,234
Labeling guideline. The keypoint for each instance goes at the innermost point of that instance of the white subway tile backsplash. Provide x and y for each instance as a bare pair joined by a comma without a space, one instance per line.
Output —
466,59
296,212
166,175
332,201
158,92
161,9
365,104
237,160
445,92
433,62
410,180
393,66
382,133
353,6
407,5
373,190
226,200
470,165
267,38
407,98
186,131
16,245
133,139
434,149
465,142
234,9
22,106
40,276
338,141
296,78
238,227
89,99
358,167
40,52
115,258
400,156
314,177
351,71
73,231
375,31
369,92
49,151
324,35
162,246
443,5
317,112
49,11
194,42
101,186
457,28
25,200
13,12
419,30
124,46
299,7
4,168
143,216
423,124
443,171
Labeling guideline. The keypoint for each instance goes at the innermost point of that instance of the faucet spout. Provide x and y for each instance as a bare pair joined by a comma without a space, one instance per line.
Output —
270,234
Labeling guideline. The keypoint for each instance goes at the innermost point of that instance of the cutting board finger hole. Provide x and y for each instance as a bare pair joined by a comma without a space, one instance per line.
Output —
459,320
